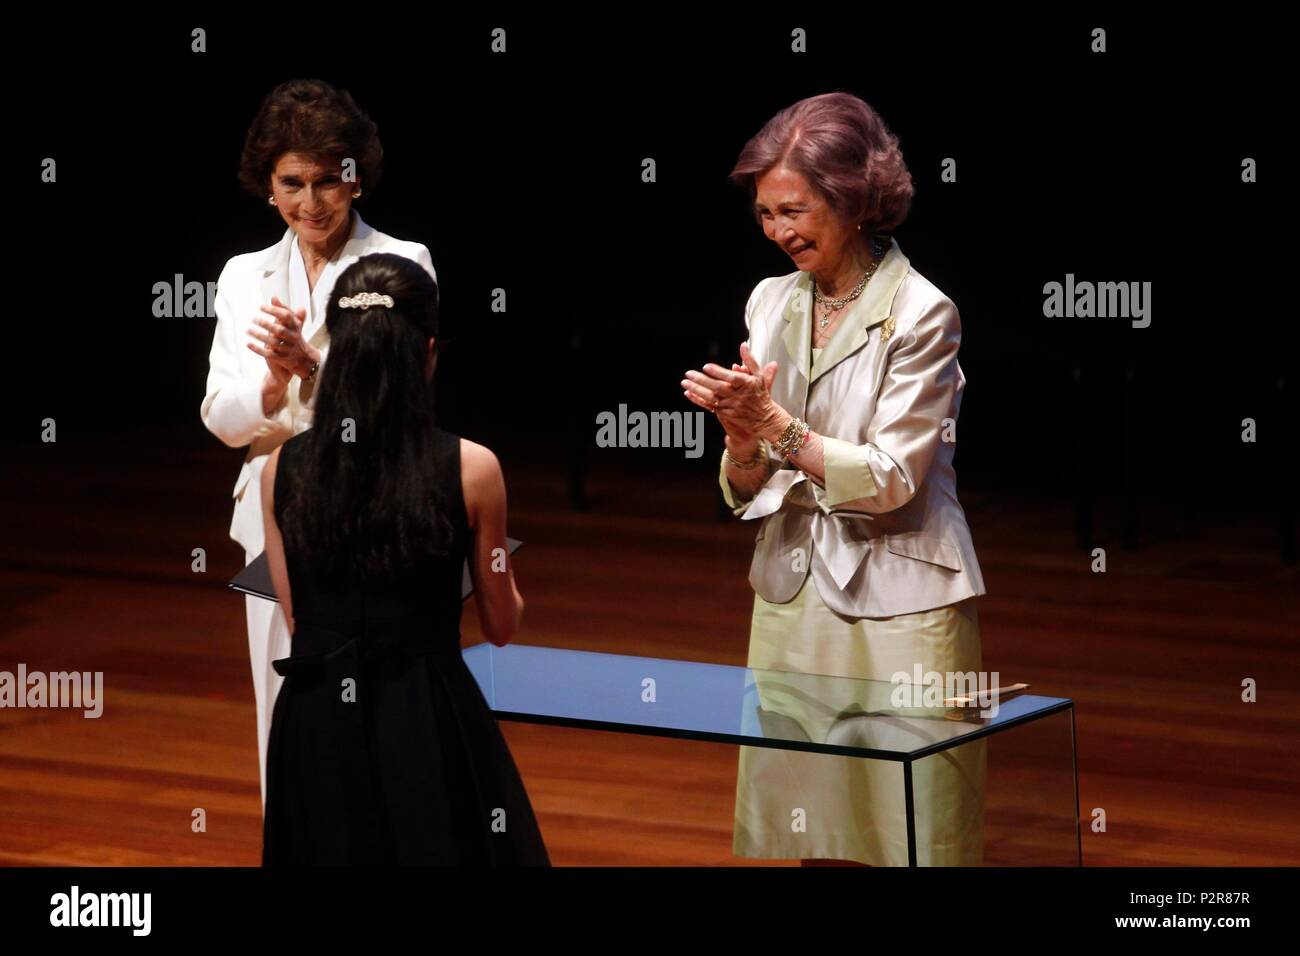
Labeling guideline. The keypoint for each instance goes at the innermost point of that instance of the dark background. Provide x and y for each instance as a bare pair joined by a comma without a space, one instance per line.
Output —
523,171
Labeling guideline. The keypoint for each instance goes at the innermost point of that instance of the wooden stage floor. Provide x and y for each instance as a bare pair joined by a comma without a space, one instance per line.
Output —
96,577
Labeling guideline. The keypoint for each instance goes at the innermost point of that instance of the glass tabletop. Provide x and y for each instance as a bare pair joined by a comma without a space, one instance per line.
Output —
903,720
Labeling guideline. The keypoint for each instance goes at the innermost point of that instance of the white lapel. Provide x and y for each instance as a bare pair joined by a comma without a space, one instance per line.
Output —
363,241
275,271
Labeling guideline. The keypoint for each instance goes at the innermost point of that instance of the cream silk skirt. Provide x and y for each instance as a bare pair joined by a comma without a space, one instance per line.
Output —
798,805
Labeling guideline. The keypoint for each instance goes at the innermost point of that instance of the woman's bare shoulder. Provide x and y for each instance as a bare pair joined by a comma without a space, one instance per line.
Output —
477,460
479,473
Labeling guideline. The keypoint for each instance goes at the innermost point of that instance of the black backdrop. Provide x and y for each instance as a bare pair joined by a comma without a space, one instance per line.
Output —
523,171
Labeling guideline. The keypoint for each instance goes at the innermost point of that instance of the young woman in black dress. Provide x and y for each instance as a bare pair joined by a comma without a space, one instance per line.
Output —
382,747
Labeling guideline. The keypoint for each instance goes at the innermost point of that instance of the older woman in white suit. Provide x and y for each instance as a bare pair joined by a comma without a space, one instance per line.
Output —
841,426
309,153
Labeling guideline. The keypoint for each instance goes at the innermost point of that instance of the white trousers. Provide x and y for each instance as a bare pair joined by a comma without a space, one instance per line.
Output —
268,640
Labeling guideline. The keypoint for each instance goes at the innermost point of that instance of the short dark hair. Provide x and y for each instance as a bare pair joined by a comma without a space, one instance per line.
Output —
313,118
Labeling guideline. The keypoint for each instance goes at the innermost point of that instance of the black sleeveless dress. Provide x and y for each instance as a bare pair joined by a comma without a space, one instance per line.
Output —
383,749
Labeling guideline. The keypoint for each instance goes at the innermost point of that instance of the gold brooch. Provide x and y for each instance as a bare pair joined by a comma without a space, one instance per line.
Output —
887,330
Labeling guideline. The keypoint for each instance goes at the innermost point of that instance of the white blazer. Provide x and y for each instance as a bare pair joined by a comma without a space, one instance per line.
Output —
232,407
886,535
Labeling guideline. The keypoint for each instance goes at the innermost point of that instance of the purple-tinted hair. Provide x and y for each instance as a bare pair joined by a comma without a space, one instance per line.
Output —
842,147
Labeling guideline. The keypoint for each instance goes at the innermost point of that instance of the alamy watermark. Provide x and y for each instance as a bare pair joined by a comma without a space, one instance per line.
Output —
79,690
179,299
946,689
75,908
1101,300
655,430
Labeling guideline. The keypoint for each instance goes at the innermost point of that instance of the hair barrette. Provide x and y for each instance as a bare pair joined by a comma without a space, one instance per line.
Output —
364,300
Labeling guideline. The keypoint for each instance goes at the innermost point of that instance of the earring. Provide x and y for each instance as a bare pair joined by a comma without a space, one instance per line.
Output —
271,200
859,227
357,194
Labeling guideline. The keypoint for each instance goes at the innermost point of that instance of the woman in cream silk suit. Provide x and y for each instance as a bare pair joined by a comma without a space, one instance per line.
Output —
270,339
863,563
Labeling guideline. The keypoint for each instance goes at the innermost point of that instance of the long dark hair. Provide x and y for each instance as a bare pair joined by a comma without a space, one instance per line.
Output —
365,502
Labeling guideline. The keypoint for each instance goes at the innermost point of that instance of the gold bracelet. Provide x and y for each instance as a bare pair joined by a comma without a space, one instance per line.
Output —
792,438
751,463
799,440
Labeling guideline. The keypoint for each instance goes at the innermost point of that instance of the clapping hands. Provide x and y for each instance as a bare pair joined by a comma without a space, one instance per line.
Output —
741,396
279,340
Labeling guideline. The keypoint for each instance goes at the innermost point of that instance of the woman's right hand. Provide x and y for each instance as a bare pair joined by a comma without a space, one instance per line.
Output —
264,344
277,374
276,381
274,388
740,437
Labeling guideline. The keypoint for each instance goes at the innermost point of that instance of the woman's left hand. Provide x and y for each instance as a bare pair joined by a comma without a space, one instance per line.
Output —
283,338
742,399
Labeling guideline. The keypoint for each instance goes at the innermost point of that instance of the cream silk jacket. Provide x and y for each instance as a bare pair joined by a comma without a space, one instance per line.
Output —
886,535
232,407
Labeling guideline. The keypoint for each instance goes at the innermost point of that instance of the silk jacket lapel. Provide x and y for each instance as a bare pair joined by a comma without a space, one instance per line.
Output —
866,312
